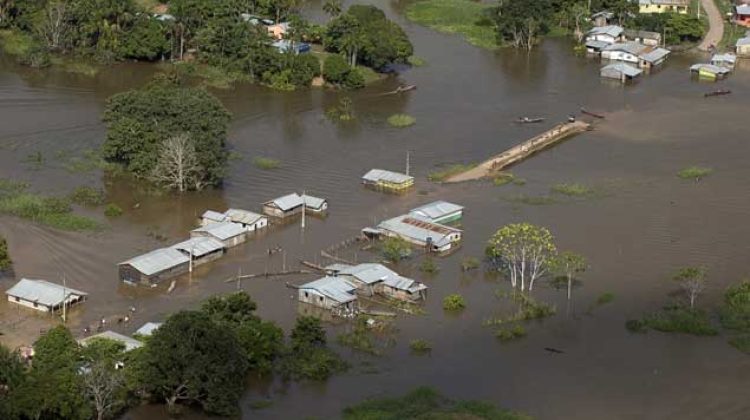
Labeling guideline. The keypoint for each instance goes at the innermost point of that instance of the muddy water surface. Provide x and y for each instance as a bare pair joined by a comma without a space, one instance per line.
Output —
643,223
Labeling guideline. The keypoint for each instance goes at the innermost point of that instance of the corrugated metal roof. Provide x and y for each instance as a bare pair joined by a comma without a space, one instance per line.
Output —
743,9
727,57
436,210
611,30
314,202
401,226
663,2
243,216
157,260
288,202
214,216
743,41
709,68
369,273
635,33
655,55
628,47
148,328
622,68
598,45
129,342
199,246
222,231
337,288
43,292
376,175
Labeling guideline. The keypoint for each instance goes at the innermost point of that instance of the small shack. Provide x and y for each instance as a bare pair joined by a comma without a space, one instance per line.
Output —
432,236
210,217
330,292
609,34
285,206
439,212
620,71
742,14
147,329
315,204
387,180
742,47
153,267
43,295
403,288
648,38
201,249
709,71
372,278
129,342
249,220
228,233
653,57
727,60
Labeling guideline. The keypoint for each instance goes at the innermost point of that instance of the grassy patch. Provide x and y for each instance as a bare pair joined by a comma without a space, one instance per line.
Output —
395,249
469,263
266,163
428,266
260,404
420,346
446,172
401,120
15,42
528,309
694,172
211,76
90,160
51,211
415,61
368,335
572,190
735,315
370,75
678,319
112,210
603,299
426,403
505,178
454,302
510,333
454,17
87,196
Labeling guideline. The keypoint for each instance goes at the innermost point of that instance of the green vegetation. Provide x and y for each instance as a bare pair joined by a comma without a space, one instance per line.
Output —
428,266
90,160
735,315
5,261
186,150
572,190
266,163
448,171
420,346
368,335
523,251
456,17
51,211
528,309
344,112
454,302
338,72
415,61
307,356
401,120
679,28
112,210
426,403
15,42
87,196
568,265
602,300
470,263
520,23
395,249
511,333
695,172
505,178
675,319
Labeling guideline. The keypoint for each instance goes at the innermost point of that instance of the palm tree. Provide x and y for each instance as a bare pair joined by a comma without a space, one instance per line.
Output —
332,7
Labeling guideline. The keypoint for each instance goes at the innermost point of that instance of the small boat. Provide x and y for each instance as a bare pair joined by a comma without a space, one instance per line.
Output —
527,120
591,114
718,92
405,88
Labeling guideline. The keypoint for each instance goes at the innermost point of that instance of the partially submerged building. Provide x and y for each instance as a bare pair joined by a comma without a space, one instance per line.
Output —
648,38
43,295
155,266
129,342
331,292
709,71
147,329
315,204
644,56
742,47
432,236
727,60
228,233
210,217
251,221
291,204
201,249
439,212
620,71
387,180
372,278
607,34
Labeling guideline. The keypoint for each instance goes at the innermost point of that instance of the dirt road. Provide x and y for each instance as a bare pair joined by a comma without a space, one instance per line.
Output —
715,23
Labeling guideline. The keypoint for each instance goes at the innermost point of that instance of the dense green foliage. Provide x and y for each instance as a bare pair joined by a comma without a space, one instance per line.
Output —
366,36
677,318
735,315
454,302
395,249
678,28
140,120
337,72
520,22
455,16
426,403
307,356
5,261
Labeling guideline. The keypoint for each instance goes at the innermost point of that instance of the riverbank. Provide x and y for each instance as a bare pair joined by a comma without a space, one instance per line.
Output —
454,17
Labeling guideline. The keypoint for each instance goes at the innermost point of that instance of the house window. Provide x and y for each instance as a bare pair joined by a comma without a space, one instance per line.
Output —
307,295
321,298
18,299
35,304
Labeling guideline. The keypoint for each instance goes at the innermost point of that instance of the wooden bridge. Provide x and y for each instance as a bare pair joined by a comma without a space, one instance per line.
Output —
521,151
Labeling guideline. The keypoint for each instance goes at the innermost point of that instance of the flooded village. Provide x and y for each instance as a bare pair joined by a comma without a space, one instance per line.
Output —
619,113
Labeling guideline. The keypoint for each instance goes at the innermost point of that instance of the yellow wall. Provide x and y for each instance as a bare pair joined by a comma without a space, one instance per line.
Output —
655,8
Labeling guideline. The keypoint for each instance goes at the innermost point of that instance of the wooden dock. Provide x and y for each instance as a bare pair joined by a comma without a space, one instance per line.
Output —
521,151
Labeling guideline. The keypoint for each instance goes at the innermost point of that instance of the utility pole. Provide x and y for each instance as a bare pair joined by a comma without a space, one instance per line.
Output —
304,206
65,293
239,278
408,163
283,261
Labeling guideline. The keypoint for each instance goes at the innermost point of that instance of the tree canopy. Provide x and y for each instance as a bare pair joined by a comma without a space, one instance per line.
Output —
521,22
524,251
140,120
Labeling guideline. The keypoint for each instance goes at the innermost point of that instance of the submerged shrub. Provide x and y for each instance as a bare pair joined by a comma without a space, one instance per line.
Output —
401,120
454,302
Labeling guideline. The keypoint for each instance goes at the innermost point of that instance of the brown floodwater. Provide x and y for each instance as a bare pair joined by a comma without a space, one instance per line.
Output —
642,224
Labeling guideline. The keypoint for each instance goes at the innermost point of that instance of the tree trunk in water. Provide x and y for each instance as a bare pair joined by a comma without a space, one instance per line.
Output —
570,285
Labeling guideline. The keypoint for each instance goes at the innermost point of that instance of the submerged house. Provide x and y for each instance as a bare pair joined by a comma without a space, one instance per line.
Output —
129,342
387,180
249,220
210,217
227,233
608,34
620,71
330,292
43,295
439,212
663,6
292,204
742,47
201,249
147,329
709,71
643,56
432,236
155,266
648,38
727,60
372,278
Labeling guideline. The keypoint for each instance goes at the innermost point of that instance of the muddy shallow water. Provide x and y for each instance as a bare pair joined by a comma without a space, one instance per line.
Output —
643,223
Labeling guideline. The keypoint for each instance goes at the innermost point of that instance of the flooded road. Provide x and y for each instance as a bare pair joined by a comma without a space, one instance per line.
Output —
645,222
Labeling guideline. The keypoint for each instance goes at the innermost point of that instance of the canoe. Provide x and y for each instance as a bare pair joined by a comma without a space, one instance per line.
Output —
592,114
717,93
527,120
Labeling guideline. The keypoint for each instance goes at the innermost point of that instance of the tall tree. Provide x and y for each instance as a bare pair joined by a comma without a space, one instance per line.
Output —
54,25
520,22
692,280
332,8
568,264
12,375
177,166
103,376
524,251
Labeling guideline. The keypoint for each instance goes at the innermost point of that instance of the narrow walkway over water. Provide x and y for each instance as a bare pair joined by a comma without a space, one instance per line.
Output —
521,151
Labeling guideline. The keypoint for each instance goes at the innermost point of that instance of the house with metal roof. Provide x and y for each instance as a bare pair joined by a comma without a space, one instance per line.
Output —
633,52
403,288
387,180
251,221
372,278
331,292
291,204
43,295
608,34
129,342
201,249
727,60
228,233
644,37
653,57
432,236
620,71
709,71
742,14
147,329
663,6
742,46
315,204
439,212
210,217
155,266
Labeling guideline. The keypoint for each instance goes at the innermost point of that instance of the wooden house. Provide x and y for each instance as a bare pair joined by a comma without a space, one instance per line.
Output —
249,220
285,206
201,249
331,292
387,180
620,71
439,212
742,47
228,233
433,237
663,6
43,295
153,267
709,71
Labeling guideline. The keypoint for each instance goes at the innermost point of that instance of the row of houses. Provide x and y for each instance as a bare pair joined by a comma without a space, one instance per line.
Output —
343,283
424,227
